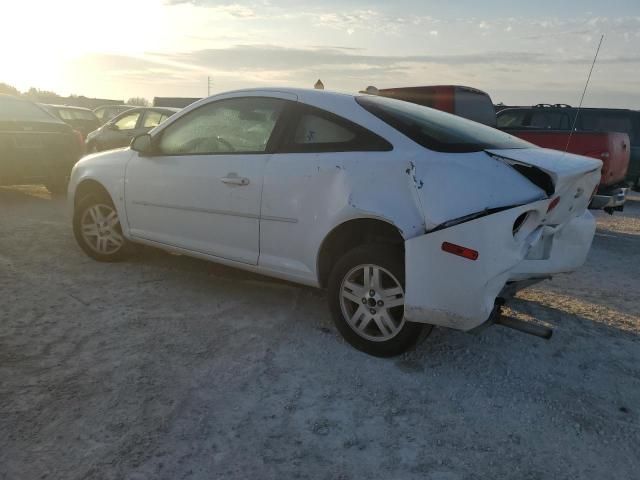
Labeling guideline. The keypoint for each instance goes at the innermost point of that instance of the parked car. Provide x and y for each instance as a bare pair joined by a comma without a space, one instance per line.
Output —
409,216
466,102
119,131
35,147
81,119
561,118
107,112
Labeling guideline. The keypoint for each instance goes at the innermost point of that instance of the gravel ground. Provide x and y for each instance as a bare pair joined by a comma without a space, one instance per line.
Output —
166,367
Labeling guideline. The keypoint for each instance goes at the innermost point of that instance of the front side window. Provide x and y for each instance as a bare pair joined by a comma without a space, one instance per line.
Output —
240,125
152,119
549,120
128,122
436,130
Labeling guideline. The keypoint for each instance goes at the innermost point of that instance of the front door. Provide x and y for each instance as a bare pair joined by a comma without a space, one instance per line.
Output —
202,188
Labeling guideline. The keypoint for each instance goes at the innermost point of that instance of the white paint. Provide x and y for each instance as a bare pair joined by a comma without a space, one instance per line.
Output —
277,223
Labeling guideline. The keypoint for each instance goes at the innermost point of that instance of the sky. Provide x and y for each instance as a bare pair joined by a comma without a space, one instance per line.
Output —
520,52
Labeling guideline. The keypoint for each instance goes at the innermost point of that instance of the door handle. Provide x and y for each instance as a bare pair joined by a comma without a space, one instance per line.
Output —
234,179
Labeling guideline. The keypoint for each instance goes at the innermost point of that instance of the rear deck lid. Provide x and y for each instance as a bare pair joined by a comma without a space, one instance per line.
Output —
574,177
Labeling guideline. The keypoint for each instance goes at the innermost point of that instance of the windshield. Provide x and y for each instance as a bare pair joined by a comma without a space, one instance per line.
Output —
438,130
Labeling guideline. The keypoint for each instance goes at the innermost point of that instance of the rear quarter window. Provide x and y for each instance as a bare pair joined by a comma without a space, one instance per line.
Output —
13,109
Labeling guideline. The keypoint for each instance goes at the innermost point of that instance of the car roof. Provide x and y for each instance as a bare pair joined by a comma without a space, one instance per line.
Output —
113,106
565,109
73,107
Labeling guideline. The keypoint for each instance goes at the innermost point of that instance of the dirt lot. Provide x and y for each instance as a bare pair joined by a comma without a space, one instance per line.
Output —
166,367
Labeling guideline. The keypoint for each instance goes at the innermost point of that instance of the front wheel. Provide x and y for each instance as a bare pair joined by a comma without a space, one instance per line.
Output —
366,298
96,227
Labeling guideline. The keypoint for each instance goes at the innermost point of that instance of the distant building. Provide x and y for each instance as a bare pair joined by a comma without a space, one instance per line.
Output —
173,102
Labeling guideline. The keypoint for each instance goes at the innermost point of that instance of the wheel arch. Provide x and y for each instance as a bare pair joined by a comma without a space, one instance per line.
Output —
350,234
89,186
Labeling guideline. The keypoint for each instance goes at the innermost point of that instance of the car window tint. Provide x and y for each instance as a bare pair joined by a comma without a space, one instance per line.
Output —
152,119
242,125
75,114
607,122
475,106
15,109
128,122
511,118
436,130
549,120
315,129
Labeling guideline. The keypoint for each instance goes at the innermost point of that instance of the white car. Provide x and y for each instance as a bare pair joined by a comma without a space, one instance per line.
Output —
410,217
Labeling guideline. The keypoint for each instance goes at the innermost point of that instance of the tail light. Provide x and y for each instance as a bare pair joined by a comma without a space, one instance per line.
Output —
80,141
554,203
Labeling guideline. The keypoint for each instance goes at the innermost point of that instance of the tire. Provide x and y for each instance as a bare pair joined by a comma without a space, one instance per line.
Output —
373,327
105,241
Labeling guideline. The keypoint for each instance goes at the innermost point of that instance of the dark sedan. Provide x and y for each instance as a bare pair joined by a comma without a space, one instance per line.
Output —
119,131
35,147
80,119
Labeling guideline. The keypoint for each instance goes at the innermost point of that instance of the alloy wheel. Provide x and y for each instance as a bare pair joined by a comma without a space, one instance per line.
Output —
100,229
372,302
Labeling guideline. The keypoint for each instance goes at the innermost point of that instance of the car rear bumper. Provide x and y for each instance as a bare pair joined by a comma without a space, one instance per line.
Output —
612,199
449,290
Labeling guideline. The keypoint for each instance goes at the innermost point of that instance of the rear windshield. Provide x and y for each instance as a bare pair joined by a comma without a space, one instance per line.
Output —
475,106
21,110
438,130
76,114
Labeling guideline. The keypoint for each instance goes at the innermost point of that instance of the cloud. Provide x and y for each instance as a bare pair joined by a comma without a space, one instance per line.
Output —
234,9
433,33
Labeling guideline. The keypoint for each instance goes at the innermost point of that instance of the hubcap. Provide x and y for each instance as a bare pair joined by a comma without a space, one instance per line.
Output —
100,229
372,302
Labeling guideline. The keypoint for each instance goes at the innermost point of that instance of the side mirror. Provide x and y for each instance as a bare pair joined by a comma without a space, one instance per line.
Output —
142,144
112,126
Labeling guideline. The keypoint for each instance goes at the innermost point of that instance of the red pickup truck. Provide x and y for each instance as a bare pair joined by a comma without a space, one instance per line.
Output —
543,127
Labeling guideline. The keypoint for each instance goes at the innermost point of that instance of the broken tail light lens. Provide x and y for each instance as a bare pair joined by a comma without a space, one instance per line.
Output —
460,251
554,203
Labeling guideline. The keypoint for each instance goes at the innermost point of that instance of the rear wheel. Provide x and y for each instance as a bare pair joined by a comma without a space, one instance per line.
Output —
96,227
366,298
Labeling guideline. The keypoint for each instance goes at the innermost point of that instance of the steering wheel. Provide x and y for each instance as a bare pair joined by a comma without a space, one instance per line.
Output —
225,143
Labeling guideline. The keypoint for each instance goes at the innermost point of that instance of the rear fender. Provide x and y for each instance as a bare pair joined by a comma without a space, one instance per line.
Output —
452,291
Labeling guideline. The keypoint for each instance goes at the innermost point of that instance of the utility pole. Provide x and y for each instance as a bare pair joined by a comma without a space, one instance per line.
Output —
208,86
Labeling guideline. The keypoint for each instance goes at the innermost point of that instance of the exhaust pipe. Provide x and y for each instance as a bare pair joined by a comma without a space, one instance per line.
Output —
526,327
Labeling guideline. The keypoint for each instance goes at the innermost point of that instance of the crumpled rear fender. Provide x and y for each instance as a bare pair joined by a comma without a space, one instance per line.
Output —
453,291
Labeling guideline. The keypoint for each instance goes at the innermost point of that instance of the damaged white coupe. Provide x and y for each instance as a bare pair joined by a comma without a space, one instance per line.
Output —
408,216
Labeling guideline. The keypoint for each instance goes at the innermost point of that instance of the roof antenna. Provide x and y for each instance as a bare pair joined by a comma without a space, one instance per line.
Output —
575,119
